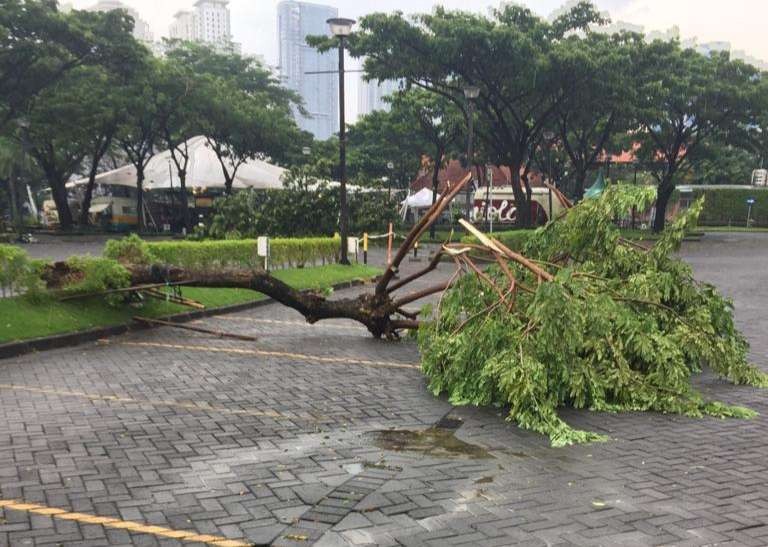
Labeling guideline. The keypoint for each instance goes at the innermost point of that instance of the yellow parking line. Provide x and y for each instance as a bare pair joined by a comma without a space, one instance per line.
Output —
264,353
136,527
321,324
173,404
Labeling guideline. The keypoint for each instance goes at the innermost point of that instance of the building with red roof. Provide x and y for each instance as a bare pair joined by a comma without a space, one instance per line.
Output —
454,172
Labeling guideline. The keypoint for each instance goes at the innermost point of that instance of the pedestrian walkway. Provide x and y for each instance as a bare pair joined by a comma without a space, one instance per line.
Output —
164,437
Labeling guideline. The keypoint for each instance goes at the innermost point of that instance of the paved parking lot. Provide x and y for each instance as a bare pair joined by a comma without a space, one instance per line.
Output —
168,438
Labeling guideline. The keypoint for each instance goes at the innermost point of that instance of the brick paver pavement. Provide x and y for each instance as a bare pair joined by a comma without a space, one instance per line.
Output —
164,432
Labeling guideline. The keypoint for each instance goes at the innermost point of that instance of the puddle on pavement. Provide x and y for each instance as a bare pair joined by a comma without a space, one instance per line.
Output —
353,468
436,442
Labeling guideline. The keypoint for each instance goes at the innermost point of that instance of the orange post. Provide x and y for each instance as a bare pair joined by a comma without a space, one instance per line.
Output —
390,235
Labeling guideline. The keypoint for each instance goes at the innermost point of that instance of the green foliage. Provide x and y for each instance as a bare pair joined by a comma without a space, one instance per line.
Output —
724,206
240,253
617,329
17,272
129,250
306,207
509,55
98,275
285,252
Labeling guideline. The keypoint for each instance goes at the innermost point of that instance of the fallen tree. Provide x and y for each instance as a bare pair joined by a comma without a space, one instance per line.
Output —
585,319
581,317
382,312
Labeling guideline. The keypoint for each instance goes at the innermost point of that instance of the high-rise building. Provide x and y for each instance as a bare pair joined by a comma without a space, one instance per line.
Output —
209,23
141,29
296,21
183,26
212,22
371,95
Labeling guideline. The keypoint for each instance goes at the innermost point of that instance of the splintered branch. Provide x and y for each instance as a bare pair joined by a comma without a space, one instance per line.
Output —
499,247
418,295
416,232
421,273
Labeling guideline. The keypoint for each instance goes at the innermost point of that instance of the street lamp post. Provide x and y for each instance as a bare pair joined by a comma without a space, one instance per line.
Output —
341,28
471,93
391,169
17,220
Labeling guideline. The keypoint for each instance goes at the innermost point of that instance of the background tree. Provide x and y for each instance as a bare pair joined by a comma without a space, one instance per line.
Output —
380,139
10,165
596,90
440,127
56,137
39,45
181,95
141,129
242,110
686,100
508,56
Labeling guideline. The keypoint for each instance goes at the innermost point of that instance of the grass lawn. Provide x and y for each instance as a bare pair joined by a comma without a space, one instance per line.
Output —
21,319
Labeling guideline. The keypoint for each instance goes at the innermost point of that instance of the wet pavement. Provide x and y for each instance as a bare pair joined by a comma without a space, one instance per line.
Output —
321,435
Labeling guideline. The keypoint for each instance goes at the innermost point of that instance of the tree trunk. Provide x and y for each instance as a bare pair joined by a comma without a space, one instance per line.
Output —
101,148
140,197
15,216
522,204
435,184
184,200
578,191
371,310
663,194
227,183
59,194
84,212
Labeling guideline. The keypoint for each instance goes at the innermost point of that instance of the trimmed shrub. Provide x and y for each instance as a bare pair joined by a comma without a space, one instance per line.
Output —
285,252
306,207
725,206
129,250
17,272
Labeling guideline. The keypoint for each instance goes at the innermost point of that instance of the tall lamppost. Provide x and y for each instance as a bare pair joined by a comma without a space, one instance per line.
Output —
391,169
16,214
471,93
341,28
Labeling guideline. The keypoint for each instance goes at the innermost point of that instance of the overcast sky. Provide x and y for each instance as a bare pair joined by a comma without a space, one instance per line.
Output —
254,22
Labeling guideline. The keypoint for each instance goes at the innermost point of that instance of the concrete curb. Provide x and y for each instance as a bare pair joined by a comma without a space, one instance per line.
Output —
15,349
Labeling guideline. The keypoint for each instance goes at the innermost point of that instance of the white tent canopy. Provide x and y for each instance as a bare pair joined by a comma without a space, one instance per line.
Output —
420,200
203,171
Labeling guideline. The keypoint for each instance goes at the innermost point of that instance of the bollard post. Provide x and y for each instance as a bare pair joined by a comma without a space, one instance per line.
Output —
416,250
389,245
365,248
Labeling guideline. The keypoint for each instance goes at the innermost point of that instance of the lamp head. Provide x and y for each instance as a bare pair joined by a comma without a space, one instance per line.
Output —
471,92
340,26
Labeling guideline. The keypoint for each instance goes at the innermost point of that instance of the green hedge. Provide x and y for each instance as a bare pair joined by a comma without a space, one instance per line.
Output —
726,206
514,239
18,273
285,252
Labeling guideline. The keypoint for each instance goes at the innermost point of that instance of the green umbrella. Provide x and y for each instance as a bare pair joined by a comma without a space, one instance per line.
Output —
597,188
